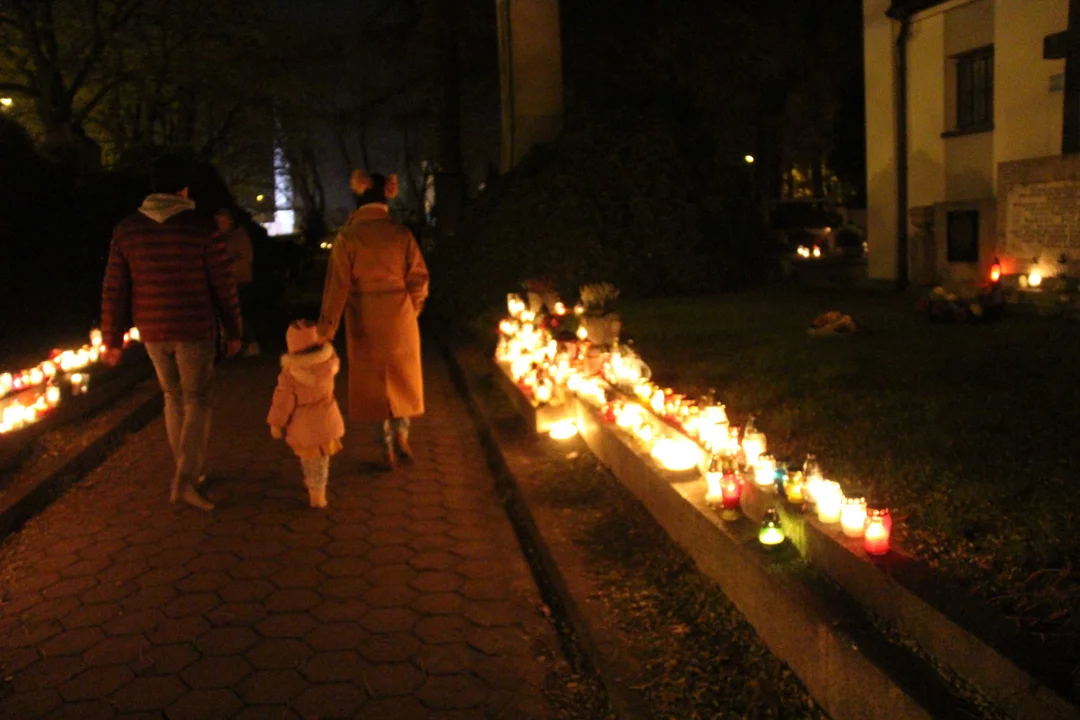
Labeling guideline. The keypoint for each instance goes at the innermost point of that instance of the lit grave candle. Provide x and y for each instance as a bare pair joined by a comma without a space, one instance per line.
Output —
630,416
765,471
829,498
853,516
731,489
676,454
812,477
753,446
771,534
714,480
657,402
794,488
877,530
543,393
563,430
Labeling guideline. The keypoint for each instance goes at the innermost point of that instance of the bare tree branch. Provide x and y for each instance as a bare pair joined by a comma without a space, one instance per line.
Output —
17,88
101,42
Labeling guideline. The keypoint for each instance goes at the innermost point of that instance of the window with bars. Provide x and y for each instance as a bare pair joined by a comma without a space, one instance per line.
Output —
975,90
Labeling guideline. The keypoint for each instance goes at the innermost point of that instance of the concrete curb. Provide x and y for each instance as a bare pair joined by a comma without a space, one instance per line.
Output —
30,495
626,702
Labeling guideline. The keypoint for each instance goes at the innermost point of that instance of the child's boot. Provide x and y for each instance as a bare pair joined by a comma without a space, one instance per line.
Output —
316,472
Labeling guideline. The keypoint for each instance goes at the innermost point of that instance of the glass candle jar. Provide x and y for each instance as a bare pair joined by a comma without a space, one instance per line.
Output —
853,516
829,498
877,531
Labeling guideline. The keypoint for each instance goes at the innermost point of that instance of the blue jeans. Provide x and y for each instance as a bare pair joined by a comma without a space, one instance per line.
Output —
184,371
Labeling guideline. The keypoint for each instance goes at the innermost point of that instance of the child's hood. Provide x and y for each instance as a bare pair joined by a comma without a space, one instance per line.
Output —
310,368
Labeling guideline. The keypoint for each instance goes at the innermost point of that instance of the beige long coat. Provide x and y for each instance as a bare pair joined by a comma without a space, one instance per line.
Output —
378,277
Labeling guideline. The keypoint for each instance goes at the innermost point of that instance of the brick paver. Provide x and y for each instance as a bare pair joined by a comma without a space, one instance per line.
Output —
409,598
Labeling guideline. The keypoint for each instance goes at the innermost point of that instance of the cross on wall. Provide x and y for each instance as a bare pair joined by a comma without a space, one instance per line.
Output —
1066,45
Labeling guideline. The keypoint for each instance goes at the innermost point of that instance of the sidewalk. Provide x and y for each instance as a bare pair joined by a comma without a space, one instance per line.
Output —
409,598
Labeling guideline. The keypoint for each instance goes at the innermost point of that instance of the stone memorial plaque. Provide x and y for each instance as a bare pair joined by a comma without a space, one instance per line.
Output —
1043,218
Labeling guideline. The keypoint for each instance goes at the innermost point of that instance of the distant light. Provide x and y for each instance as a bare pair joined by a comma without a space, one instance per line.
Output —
1035,278
749,159
6,102
259,197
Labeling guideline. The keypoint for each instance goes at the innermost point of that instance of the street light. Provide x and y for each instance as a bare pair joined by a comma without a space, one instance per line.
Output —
5,102
259,197
749,159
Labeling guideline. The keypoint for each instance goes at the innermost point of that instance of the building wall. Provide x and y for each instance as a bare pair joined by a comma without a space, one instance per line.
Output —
881,211
926,111
1027,116
530,66
969,159
958,169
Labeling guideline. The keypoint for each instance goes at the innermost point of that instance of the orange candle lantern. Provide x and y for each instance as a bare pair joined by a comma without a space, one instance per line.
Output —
877,531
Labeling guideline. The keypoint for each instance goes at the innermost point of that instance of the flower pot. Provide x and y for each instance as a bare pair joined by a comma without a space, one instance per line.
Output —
602,329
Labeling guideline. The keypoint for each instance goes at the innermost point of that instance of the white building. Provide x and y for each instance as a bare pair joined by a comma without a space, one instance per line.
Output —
972,169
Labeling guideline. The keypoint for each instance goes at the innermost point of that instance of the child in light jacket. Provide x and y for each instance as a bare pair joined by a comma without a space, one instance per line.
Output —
304,410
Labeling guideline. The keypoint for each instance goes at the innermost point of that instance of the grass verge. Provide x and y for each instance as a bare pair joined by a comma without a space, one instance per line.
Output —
967,431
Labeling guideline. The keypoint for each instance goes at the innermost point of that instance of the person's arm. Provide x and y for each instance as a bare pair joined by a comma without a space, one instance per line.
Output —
116,298
282,405
417,278
223,287
336,288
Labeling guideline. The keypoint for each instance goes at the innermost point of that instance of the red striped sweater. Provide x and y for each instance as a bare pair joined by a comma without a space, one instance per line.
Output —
170,279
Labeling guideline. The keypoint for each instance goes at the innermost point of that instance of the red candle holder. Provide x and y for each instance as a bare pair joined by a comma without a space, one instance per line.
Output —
731,490
877,531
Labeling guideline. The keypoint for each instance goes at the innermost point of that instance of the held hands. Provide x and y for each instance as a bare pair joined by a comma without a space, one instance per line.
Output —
112,356
275,432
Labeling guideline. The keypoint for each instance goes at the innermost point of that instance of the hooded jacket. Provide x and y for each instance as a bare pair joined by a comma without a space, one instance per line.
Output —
303,404
168,274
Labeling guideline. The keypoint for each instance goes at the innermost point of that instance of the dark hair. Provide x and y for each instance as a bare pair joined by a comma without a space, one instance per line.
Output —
374,194
171,174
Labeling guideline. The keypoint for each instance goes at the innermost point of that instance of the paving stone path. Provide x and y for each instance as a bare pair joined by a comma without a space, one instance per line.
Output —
409,598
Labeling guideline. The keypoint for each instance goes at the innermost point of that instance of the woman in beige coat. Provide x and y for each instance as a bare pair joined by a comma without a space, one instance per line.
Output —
378,277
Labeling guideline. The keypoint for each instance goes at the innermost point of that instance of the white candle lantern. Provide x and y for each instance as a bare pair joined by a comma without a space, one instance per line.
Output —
853,516
714,476
765,471
753,446
676,454
829,500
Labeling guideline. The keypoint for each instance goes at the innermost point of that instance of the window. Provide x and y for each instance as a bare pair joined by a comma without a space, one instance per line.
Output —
962,241
975,90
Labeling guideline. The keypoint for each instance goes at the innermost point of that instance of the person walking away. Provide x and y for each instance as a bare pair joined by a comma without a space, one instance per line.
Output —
377,277
242,256
303,410
168,274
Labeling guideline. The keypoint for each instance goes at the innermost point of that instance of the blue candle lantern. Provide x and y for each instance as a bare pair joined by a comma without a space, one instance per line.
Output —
781,476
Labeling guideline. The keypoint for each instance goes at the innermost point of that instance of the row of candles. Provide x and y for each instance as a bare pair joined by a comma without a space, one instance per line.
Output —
43,382
690,434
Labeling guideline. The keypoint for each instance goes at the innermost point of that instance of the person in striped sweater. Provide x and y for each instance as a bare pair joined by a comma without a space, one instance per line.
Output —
169,275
